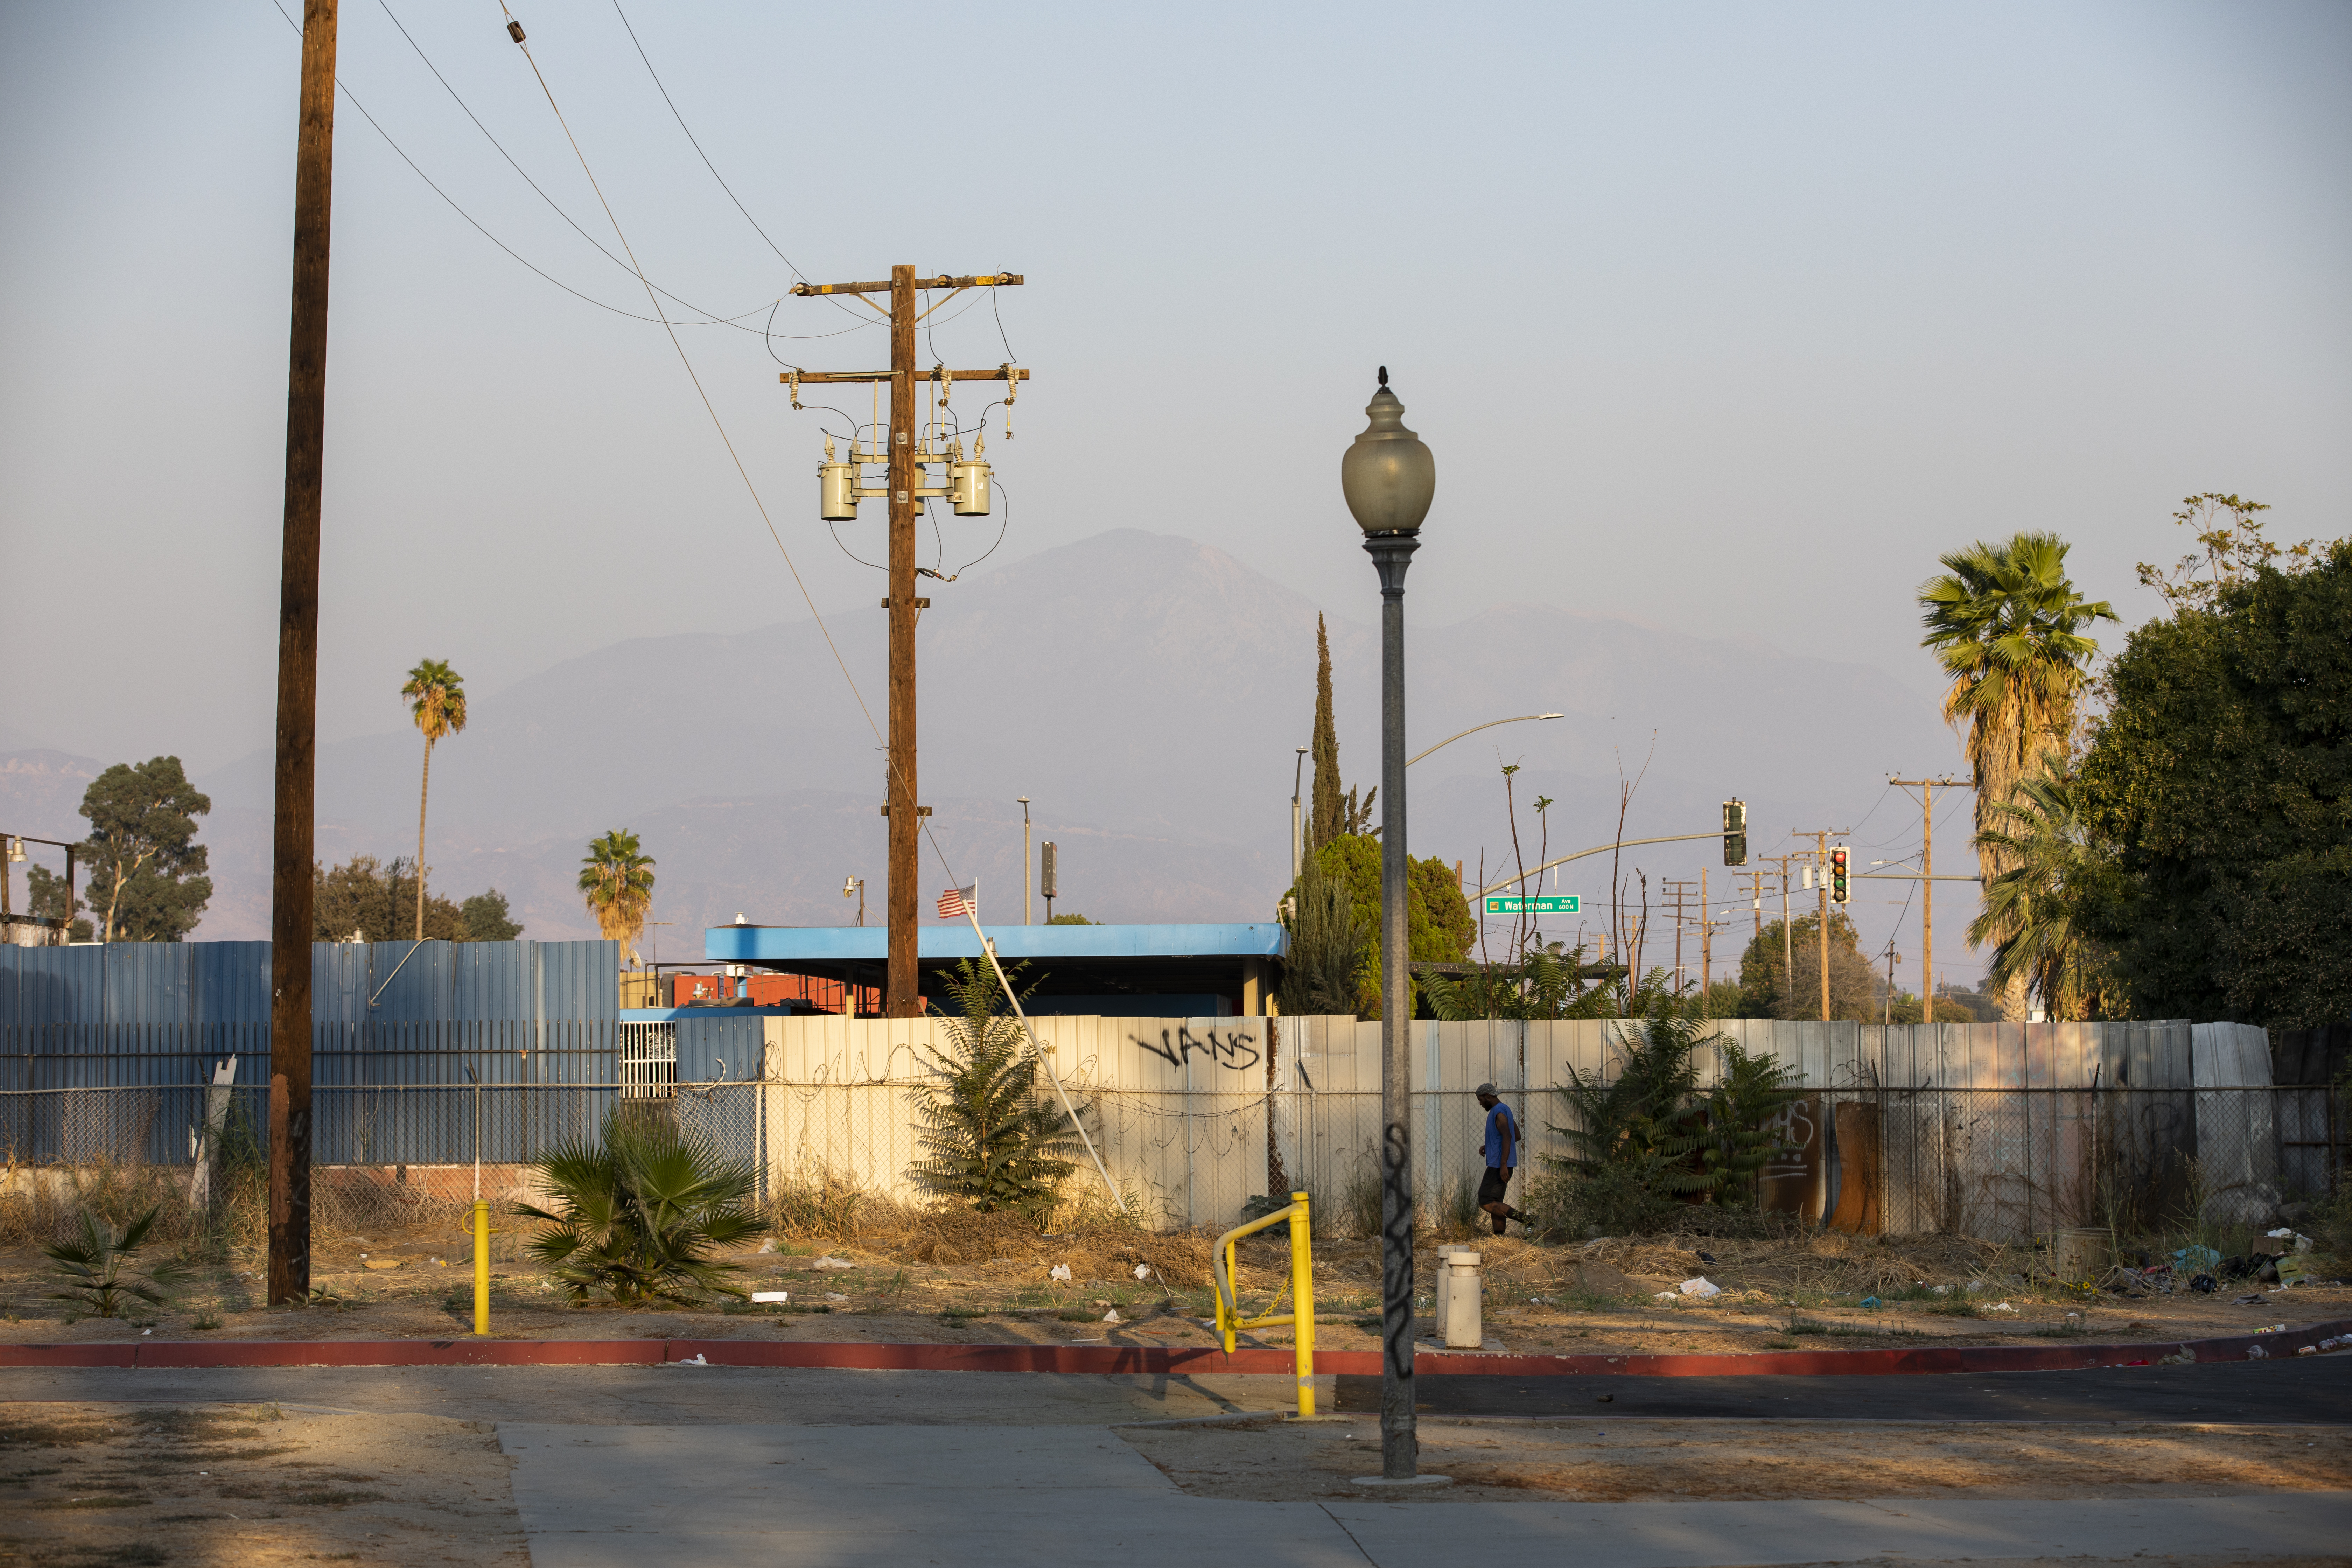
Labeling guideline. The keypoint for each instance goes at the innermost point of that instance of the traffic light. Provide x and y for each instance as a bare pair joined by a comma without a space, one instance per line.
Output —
1841,857
1735,833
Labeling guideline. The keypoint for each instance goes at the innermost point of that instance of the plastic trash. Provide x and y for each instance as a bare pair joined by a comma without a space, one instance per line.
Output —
1059,1272
1143,1271
1870,1301
834,1296
833,1263
2256,1353
2206,1283
2197,1257
767,1244
1666,1296
761,1296
2246,1300
1112,1316
694,1360
2288,1232
1702,1288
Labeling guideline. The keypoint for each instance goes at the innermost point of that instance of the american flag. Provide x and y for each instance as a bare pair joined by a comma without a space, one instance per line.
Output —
956,902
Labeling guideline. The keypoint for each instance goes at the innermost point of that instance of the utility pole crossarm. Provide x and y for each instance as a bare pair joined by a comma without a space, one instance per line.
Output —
938,373
980,281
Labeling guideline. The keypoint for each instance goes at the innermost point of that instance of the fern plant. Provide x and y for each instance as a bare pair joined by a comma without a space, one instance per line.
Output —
1642,1124
636,1215
1743,1122
94,1265
987,1138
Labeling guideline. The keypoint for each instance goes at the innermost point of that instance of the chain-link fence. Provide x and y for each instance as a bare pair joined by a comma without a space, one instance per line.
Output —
2002,1164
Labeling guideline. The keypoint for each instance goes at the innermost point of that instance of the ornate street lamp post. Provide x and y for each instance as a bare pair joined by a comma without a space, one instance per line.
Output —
1389,479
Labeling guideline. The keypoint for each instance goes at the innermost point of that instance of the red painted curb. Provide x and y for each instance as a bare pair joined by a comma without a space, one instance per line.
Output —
1143,1361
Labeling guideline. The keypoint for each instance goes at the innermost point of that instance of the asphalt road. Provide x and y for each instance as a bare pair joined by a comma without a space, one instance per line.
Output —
2311,1389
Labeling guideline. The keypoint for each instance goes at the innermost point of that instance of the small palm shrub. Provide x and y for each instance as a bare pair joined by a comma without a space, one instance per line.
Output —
94,1264
636,1215
987,1138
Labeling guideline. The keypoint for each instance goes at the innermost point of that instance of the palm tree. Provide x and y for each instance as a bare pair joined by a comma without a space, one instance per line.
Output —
2007,625
618,880
436,699
2031,909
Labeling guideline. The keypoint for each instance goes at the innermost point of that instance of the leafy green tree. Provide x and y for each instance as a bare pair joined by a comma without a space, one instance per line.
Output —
486,919
370,901
989,1138
1438,925
2221,776
1331,813
437,700
45,899
2006,622
1327,945
616,878
1073,920
1769,990
636,1215
147,880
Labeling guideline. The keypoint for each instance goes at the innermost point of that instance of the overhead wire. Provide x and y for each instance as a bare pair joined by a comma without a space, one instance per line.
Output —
553,206
402,153
721,426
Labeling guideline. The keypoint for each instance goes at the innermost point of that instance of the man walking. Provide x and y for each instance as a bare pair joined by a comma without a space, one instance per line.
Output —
1503,1139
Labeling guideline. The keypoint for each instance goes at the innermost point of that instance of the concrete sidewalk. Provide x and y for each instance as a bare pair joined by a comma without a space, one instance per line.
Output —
604,1497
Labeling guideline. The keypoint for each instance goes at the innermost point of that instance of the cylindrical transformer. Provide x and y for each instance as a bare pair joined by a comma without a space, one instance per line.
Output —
968,484
838,482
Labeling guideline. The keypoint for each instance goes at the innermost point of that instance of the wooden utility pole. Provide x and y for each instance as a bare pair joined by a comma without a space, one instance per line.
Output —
1705,938
291,888
1821,872
1926,887
902,899
1681,893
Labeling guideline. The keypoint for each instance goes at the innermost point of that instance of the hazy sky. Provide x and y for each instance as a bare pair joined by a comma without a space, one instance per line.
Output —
1724,317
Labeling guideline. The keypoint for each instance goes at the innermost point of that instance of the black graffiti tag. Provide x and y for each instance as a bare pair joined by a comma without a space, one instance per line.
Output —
1235,1052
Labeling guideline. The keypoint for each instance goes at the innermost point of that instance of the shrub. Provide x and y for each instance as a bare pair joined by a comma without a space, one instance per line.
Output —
91,1265
638,1214
988,1138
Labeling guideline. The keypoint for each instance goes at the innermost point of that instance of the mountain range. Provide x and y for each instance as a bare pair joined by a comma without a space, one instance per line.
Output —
1146,691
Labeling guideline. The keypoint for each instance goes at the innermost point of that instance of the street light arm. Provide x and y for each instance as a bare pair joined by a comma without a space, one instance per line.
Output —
1596,849
1487,725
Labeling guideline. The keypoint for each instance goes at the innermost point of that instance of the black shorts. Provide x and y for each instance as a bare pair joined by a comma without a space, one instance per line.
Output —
1490,1191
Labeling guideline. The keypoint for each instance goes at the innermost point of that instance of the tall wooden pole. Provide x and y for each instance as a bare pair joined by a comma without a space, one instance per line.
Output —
1926,887
900,900
297,672
1822,864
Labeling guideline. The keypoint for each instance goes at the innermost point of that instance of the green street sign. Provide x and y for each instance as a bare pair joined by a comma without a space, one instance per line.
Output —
1564,904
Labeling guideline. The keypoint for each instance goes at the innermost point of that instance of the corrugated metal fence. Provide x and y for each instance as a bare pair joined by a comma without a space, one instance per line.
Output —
1992,1128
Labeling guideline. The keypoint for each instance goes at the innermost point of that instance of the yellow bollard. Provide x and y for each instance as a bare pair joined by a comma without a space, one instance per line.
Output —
481,1265
1302,1300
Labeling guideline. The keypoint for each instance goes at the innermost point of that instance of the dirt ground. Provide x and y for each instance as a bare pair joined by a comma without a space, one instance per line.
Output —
94,1485
1622,1461
1807,1292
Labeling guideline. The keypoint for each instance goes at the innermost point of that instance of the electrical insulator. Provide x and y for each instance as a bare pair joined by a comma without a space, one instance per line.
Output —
1735,833
838,483
1841,859
968,482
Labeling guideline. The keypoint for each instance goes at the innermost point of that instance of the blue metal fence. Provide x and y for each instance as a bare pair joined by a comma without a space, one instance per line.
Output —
401,1032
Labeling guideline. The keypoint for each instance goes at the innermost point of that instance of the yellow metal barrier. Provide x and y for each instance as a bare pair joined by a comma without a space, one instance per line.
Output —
1301,1317
481,1265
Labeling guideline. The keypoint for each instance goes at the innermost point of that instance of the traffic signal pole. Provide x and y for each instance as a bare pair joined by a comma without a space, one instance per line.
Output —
1822,840
902,993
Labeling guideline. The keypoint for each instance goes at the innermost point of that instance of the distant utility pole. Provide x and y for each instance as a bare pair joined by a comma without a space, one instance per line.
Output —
1705,938
904,492
1680,892
1787,933
291,892
1822,837
1026,918
1927,788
